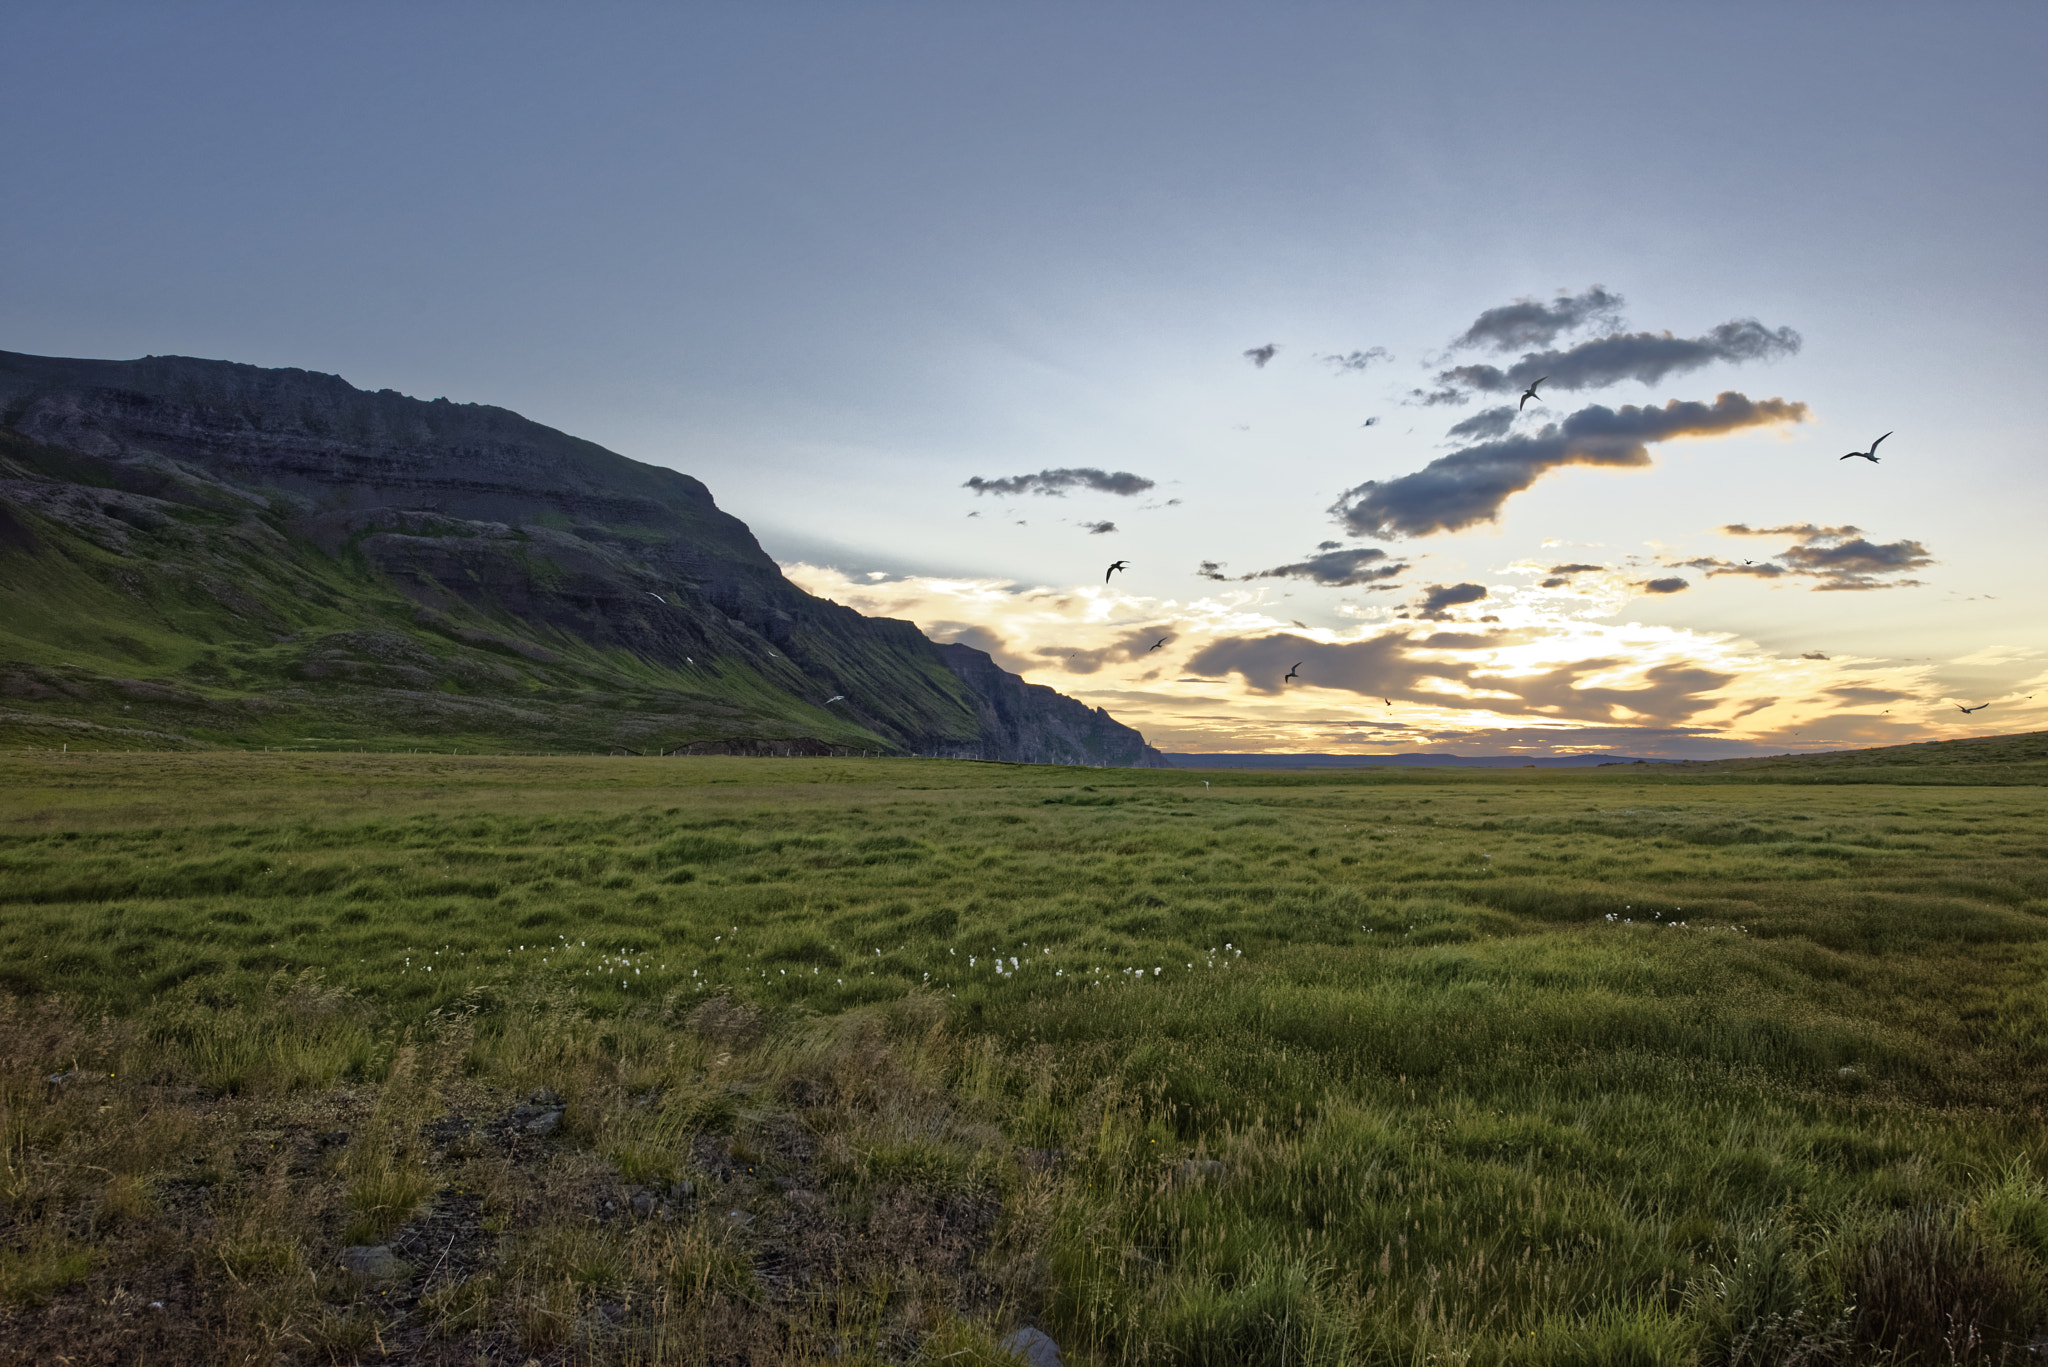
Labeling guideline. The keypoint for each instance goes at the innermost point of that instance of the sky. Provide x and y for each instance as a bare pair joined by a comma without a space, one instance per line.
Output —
955,304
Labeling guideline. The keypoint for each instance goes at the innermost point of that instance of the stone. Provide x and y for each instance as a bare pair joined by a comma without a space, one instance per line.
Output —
545,1125
643,1204
374,1262
1034,1347
681,1191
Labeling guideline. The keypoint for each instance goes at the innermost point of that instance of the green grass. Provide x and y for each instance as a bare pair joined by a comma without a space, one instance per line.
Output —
1499,1066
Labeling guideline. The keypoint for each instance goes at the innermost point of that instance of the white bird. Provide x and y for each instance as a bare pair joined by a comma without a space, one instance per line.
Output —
657,597
836,697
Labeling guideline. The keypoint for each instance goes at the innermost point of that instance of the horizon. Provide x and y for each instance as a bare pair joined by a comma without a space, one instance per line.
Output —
954,308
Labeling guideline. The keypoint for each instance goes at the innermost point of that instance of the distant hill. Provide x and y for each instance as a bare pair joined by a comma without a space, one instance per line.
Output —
203,552
2022,757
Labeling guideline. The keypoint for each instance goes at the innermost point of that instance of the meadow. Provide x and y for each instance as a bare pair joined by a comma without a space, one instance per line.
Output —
746,1060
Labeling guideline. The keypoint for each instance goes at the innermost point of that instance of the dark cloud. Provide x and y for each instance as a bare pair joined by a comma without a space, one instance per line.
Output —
1646,357
1356,361
1213,569
1469,486
1532,323
1484,425
1573,569
1838,559
1131,646
1671,585
1057,482
1098,528
1389,666
1859,693
1432,606
1337,568
1328,545
1259,355
1814,655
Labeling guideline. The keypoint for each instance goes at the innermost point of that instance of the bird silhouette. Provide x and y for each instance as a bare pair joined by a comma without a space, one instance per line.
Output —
1870,455
1114,566
1292,673
1158,643
1370,422
1530,393
1966,711
1388,701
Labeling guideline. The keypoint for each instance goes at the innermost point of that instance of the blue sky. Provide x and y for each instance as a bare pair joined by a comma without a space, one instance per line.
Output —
837,259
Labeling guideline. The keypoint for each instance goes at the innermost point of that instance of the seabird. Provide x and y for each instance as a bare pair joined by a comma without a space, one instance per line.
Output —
657,597
1530,393
1292,672
836,697
1114,566
1966,711
1156,644
1870,455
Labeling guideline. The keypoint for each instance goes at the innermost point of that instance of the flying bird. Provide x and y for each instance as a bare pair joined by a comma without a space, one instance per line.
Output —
1114,566
1870,455
657,597
1292,672
836,697
1302,625
1966,711
1158,643
1388,701
1530,393
1370,422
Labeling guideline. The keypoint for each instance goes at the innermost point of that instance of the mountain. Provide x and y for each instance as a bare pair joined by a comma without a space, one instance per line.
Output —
205,551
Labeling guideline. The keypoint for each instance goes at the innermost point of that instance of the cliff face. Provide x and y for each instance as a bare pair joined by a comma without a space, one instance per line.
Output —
1036,725
442,569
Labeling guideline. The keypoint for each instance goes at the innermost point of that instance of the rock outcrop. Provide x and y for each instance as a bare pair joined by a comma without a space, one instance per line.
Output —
1034,724
279,537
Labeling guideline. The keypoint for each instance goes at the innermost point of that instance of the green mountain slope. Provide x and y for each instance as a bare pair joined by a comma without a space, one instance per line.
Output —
201,552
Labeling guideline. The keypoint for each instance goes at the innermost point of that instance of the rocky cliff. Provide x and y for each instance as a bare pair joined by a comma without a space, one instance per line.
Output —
1037,725
278,556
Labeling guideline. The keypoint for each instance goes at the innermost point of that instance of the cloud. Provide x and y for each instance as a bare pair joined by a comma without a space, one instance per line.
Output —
1259,355
1574,569
1530,323
1355,361
1098,528
1839,559
1598,689
1646,357
1469,486
1814,655
1671,585
1554,676
1336,568
1484,425
1213,569
1441,596
1057,482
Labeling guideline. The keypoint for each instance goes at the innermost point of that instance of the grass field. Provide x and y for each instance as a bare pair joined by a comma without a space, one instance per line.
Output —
721,1060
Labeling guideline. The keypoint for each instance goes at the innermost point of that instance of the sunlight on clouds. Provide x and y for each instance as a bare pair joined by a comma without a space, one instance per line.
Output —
1548,670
